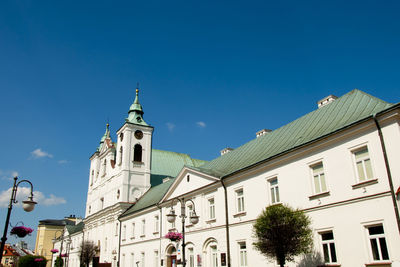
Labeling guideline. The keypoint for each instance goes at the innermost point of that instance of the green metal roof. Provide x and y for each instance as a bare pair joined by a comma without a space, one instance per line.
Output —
169,164
342,112
150,198
135,113
72,229
163,164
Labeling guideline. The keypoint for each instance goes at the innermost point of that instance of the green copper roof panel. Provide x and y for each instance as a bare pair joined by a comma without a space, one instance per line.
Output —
350,108
75,228
169,164
150,198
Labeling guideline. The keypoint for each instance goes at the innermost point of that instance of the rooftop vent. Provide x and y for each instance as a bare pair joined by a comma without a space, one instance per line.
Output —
326,100
262,132
226,150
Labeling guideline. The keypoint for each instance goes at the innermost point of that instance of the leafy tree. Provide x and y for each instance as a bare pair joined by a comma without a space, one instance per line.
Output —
87,252
59,262
32,261
282,233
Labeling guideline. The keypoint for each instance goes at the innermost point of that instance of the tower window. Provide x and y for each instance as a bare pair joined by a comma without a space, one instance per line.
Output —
120,155
137,156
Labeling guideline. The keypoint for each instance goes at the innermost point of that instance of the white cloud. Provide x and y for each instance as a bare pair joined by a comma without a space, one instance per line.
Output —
201,124
39,153
8,175
24,192
170,126
63,161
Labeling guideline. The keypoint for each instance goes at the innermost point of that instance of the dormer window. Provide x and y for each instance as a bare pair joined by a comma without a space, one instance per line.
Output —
137,153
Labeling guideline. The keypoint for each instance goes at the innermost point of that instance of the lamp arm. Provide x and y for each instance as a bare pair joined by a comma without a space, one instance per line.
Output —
16,187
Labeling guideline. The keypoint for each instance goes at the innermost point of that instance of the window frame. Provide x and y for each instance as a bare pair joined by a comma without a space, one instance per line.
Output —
314,173
328,243
239,200
376,237
272,196
353,151
240,250
211,208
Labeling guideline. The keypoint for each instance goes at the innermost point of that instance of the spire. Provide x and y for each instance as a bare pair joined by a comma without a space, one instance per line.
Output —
105,136
135,113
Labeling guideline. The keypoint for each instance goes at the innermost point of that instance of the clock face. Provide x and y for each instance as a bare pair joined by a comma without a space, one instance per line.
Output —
139,134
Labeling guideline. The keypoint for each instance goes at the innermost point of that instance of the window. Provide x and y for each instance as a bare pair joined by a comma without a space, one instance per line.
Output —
124,232
104,167
211,208
273,184
214,256
133,263
239,200
156,224
133,230
143,227
191,257
137,153
319,178
101,203
142,263
120,155
242,254
190,210
91,178
377,242
363,164
105,244
156,259
328,247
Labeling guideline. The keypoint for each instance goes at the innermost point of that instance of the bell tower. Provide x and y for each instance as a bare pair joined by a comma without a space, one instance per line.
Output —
134,153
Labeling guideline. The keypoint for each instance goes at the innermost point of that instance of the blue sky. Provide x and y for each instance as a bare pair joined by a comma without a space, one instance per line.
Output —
211,74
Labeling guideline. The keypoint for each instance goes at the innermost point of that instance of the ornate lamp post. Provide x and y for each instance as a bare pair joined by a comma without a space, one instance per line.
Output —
194,219
27,205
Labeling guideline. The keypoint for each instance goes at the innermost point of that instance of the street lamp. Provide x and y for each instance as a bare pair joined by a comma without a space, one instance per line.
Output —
27,205
194,219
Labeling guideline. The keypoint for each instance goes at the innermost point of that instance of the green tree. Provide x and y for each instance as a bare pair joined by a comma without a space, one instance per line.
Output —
32,261
59,262
87,252
282,233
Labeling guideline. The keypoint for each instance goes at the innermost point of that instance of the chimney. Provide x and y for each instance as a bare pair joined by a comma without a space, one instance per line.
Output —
262,132
226,150
326,100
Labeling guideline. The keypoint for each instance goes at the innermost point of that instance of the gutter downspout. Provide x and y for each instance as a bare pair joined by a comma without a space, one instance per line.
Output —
119,242
228,247
389,174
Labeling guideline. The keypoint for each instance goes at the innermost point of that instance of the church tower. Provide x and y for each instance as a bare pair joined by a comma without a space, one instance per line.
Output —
120,171
134,152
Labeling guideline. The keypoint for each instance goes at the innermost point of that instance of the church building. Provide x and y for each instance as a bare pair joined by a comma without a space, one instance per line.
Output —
339,164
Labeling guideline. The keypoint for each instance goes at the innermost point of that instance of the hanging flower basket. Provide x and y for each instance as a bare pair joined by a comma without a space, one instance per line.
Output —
21,231
174,236
54,250
64,255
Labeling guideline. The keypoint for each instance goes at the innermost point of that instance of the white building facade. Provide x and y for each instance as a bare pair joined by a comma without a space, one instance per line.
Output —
339,164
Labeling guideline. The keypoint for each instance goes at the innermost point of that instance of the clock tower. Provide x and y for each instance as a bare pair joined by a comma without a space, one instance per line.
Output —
134,153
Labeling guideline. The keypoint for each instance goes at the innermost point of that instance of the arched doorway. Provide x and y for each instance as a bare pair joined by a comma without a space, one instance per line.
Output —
210,253
171,256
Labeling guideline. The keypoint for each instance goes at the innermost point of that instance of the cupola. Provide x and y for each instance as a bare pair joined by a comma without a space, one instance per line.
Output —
135,113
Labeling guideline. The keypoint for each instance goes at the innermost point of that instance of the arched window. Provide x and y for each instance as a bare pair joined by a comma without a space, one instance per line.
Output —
104,167
120,155
137,156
